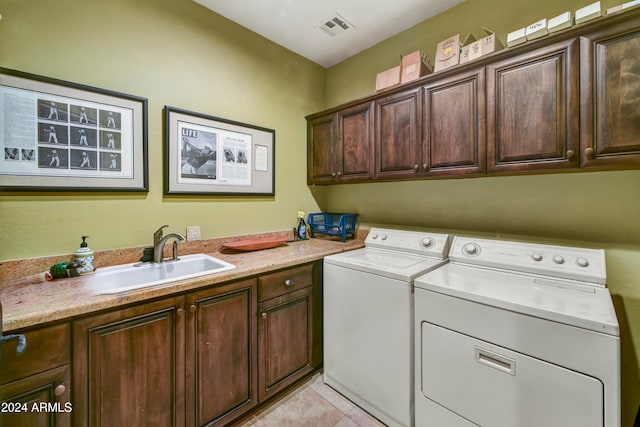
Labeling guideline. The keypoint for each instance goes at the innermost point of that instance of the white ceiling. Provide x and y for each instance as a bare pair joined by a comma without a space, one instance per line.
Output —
295,24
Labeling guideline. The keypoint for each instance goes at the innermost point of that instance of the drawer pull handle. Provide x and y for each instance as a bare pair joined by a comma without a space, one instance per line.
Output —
22,342
288,282
59,391
495,361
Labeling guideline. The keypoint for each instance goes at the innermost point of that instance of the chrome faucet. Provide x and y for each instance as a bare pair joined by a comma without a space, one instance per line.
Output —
159,240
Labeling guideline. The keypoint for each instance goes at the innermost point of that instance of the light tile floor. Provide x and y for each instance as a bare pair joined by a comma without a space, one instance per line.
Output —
313,404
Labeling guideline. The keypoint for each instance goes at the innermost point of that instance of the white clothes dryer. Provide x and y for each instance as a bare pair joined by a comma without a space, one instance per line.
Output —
516,334
368,319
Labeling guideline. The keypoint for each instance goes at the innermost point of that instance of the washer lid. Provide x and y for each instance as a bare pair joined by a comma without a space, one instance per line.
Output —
395,265
565,301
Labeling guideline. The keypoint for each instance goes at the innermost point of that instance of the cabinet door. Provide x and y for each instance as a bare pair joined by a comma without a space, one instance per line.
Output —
610,89
128,367
221,353
398,139
285,337
40,400
321,142
454,125
532,110
355,152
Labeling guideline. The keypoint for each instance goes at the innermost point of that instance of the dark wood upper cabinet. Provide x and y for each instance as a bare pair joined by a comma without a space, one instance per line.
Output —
454,137
321,137
354,156
533,109
398,135
566,101
340,147
610,90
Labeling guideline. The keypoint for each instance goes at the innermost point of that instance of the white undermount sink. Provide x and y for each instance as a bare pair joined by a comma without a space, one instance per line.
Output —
121,278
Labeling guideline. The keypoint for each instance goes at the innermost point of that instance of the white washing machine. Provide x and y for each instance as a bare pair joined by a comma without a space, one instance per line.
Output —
368,319
516,334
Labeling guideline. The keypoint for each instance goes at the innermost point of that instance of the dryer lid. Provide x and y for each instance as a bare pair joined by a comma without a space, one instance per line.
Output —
560,300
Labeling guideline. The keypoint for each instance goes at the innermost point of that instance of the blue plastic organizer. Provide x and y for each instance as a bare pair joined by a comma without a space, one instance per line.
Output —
333,224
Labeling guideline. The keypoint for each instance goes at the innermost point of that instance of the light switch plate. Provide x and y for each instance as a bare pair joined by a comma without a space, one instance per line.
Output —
193,232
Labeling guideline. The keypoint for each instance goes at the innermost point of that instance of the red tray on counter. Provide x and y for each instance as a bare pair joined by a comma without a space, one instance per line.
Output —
256,244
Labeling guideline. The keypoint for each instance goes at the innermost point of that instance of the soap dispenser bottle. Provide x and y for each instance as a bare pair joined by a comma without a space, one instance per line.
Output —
84,258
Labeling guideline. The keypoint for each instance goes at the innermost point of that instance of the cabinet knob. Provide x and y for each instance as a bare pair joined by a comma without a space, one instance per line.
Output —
179,311
288,282
589,153
339,174
264,315
59,390
416,167
192,308
333,174
424,167
571,154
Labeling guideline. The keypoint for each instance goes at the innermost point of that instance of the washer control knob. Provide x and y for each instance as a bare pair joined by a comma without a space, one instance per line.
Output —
375,236
471,249
582,262
384,237
558,259
427,242
536,256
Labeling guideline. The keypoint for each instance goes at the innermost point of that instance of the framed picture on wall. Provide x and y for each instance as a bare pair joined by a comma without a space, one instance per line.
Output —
62,136
211,155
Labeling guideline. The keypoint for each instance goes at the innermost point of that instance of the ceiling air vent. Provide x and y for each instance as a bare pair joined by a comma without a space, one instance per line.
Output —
335,25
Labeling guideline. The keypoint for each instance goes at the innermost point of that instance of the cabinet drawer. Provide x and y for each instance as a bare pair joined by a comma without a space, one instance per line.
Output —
46,348
283,282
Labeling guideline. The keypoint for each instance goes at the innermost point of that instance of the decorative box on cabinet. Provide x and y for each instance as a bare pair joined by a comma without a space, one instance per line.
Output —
289,329
610,90
533,110
453,125
40,376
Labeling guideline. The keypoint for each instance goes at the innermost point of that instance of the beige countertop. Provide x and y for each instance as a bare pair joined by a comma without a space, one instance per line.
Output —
29,301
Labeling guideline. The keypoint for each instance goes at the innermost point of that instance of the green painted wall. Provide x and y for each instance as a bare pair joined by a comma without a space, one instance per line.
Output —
173,52
598,209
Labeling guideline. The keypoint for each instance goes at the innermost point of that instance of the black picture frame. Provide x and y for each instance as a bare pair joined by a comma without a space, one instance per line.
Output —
208,155
62,136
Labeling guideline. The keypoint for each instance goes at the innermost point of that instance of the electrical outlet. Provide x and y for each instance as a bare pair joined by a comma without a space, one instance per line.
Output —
193,232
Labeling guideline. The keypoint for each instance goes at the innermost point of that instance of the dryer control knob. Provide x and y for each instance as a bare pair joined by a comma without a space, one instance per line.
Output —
427,242
375,236
384,237
558,259
471,249
582,262
536,256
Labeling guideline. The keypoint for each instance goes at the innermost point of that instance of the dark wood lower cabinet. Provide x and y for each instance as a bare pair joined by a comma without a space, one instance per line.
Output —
129,366
35,388
285,341
221,353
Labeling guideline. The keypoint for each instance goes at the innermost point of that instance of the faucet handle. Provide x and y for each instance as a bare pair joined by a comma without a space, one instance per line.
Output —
157,235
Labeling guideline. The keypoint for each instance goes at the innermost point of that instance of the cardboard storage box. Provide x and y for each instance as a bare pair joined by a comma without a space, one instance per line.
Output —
588,13
560,22
414,66
516,37
537,30
478,48
447,53
388,78
468,45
